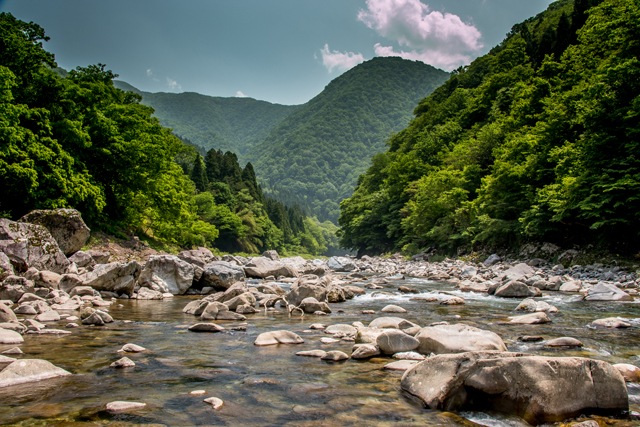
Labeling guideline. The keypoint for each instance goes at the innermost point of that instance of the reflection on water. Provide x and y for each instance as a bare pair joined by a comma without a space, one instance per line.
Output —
270,385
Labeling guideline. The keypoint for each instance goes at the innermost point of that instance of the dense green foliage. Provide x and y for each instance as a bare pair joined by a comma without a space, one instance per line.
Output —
227,124
315,155
75,140
537,140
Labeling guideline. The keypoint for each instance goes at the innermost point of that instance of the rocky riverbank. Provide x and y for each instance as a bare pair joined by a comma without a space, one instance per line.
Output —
52,288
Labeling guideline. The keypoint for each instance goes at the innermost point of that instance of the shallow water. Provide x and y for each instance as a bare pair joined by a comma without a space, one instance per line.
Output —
271,386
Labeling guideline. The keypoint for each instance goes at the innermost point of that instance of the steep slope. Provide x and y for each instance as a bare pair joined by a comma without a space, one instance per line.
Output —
314,156
227,124
535,141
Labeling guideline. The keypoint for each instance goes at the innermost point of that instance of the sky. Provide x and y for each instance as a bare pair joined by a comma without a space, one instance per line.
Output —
281,51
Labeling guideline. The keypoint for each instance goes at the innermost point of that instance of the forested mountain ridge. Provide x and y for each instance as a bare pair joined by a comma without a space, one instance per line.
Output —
309,154
314,156
537,140
74,140
228,124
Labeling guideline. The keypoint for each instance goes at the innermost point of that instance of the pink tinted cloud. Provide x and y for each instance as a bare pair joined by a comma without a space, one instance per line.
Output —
440,39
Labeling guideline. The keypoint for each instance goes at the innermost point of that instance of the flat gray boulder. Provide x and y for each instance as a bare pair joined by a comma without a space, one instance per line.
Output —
536,388
262,267
607,292
29,370
30,245
65,225
116,277
457,338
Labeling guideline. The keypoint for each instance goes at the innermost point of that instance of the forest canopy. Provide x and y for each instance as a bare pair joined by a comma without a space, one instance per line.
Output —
536,141
75,140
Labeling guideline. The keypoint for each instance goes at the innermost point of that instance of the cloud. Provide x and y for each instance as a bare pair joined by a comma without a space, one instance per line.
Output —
240,94
440,39
341,61
173,85
151,75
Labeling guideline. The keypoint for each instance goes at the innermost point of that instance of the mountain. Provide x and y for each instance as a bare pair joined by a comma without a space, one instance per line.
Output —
308,155
227,124
314,156
537,141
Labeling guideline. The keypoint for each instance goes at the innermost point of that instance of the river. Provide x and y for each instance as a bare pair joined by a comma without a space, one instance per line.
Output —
271,386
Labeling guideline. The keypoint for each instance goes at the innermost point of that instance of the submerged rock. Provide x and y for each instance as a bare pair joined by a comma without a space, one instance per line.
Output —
278,337
29,370
124,406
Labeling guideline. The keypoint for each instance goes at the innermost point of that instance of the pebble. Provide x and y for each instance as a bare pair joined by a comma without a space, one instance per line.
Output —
215,402
132,348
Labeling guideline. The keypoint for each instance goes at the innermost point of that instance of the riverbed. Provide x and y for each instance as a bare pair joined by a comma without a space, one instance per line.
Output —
271,386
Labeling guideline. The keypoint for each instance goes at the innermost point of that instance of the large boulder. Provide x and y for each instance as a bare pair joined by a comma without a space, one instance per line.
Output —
10,337
116,277
262,267
457,338
299,292
221,275
65,225
515,289
518,272
393,341
6,269
390,322
31,245
341,263
198,257
539,389
6,315
312,305
29,370
167,273
607,292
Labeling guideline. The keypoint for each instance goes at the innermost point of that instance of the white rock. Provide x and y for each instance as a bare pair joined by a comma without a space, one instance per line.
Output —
215,402
123,406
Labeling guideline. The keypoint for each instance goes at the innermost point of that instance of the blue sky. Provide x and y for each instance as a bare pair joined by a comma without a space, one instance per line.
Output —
281,51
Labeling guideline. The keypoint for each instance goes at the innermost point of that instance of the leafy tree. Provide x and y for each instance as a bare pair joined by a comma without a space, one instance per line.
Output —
534,141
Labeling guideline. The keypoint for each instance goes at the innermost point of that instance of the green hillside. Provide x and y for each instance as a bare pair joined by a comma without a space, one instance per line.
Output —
314,156
75,140
536,141
227,124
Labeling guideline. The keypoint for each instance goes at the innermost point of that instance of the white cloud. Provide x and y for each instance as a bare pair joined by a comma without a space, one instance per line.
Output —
440,39
341,61
173,85
240,94
151,75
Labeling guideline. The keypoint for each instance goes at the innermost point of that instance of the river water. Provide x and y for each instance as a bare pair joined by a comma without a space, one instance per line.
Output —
271,386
